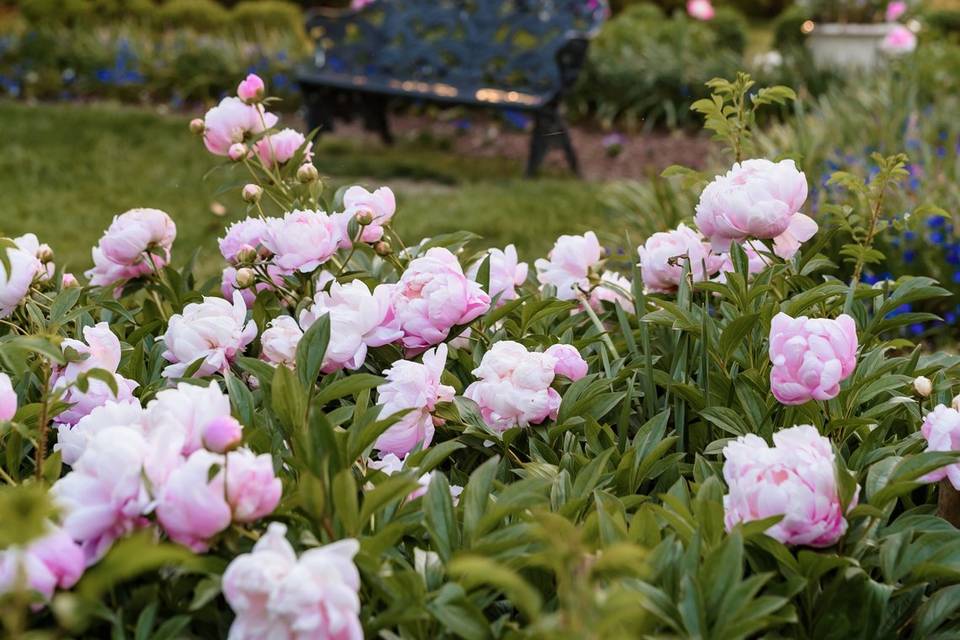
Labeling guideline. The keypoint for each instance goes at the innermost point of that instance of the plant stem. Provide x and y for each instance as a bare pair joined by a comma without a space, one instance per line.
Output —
871,232
44,413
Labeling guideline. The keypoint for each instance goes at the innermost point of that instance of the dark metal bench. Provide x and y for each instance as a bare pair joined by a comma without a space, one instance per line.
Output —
519,55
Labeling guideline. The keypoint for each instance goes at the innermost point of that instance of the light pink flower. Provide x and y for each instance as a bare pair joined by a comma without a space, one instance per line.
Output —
801,228
899,40
245,234
214,330
506,273
755,199
664,254
278,148
796,479
73,440
612,288
941,430
700,9
136,242
302,240
569,264
192,507
275,595
251,89
433,296
186,411
415,386
104,497
279,341
29,243
895,11
50,562
233,121
24,268
102,351
513,386
69,280
811,357
756,262
569,363
222,434
391,464
379,206
8,398
359,319
253,489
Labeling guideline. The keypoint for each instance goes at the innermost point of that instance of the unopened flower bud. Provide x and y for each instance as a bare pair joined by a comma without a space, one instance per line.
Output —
69,280
44,253
307,173
382,248
923,386
956,403
197,126
222,434
251,89
364,218
237,151
246,254
245,278
251,193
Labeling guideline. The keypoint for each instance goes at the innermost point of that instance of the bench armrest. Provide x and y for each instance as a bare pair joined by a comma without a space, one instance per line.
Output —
570,59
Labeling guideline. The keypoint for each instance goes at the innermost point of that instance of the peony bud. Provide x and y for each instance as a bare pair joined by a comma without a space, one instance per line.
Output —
69,280
197,127
307,173
364,218
44,253
923,386
237,151
956,403
245,278
382,248
251,193
222,434
251,89
246,255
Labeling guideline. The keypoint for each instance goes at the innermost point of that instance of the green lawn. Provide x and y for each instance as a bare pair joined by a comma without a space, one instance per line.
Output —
67,170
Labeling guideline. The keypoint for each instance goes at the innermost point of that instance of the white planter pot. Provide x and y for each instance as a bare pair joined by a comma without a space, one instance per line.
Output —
848,45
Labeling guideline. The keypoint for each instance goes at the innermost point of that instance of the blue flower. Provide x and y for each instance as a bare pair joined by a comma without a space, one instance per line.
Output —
936,237
935,221
909,255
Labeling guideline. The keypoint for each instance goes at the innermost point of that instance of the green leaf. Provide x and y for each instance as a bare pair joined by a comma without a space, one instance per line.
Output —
476,570
311,350
288,398
345,504
440,523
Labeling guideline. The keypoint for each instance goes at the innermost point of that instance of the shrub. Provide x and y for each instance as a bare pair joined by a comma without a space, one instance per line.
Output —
201,15
254,15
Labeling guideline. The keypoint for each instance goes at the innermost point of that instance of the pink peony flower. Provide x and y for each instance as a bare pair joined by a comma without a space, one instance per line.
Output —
755,199
378,206
569,264
8,398
612,288
895,11
811,357
570,364
24,269
756,262
47,563
104,497
135,243
253,489
251,89
73,440
275,595
278,148
801,228
506,273
359,319
899,40
391,464
941,430
796,479
513,386
416,387
279,341
302,240
663,256
213,330
700,9
231,122
433,296
192,507
222,434
102,351
246,234
187,411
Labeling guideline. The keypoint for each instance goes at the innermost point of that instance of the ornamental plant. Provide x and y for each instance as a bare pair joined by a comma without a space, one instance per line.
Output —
351,436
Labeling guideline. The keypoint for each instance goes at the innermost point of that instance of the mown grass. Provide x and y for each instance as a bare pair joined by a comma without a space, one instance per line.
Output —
67,170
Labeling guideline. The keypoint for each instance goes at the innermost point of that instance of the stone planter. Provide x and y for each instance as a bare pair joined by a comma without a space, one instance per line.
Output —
848,45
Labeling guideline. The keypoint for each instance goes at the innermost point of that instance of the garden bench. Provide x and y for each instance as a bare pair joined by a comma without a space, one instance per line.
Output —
521,55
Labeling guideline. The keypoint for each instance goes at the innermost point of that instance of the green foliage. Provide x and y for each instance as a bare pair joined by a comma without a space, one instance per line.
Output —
202,15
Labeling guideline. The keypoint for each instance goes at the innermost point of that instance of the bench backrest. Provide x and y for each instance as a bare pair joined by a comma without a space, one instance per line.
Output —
506,44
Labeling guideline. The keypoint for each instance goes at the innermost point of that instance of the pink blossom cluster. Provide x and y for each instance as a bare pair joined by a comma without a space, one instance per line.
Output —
941,430
506,273
177,460
374,209
811,357
796,479
214,332
53,561
135,244
26,267
277,595
574,267
514,384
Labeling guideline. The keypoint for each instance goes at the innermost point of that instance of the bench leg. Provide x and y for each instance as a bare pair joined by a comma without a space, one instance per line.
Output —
375,117
319,109
550,130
